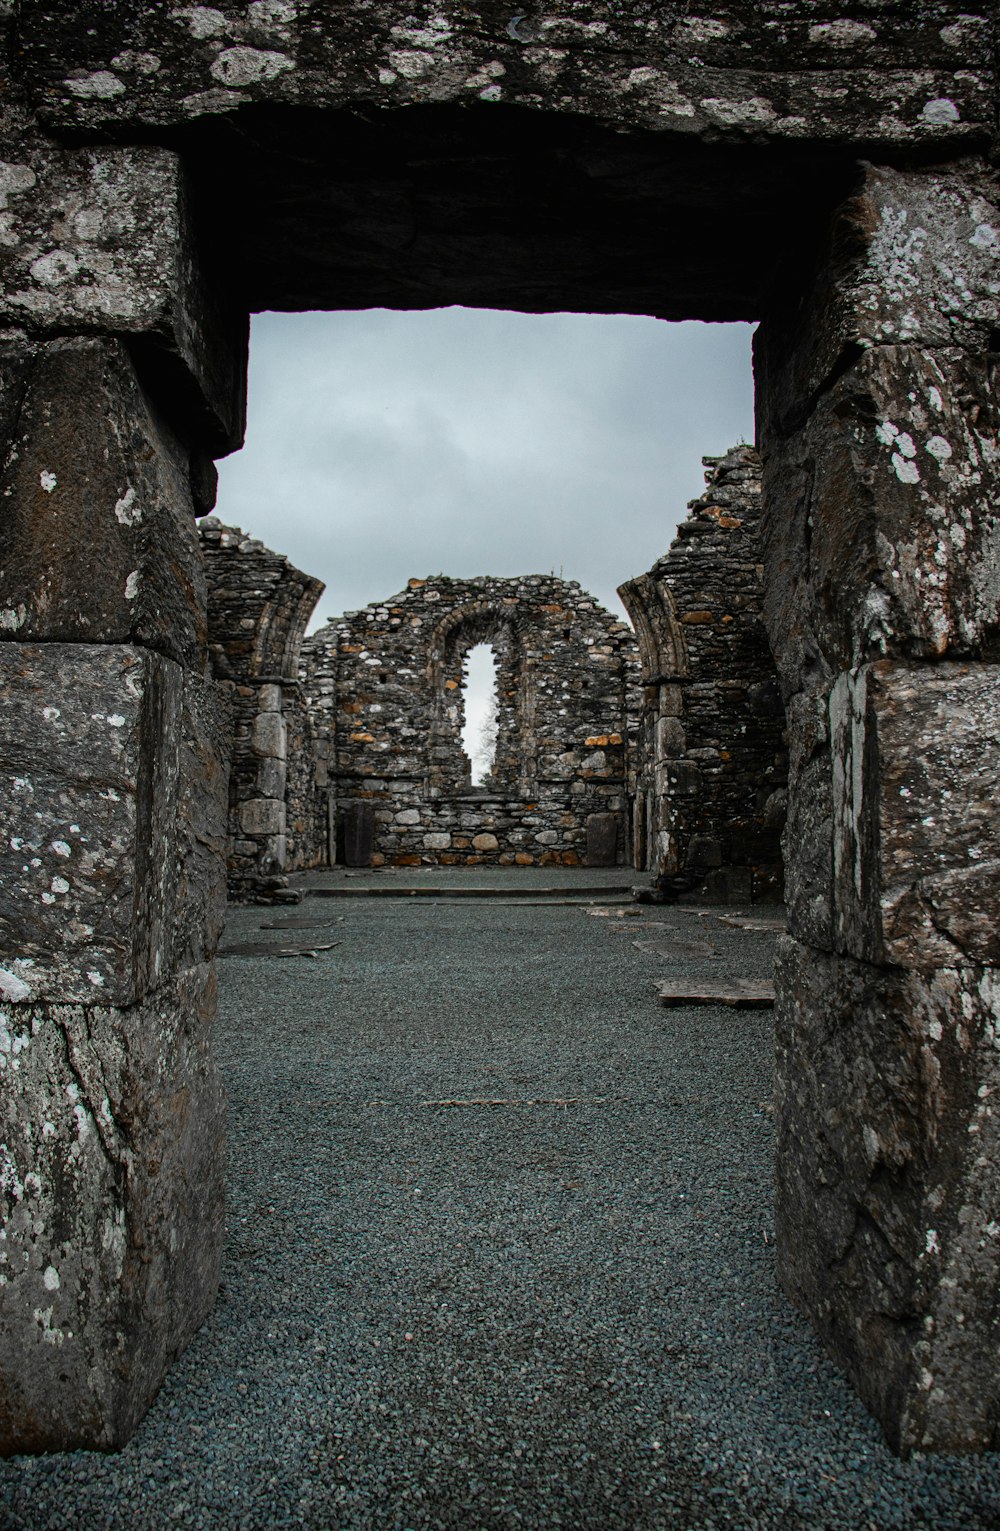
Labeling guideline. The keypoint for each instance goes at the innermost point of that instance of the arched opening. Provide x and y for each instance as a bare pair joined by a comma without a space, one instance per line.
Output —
480,714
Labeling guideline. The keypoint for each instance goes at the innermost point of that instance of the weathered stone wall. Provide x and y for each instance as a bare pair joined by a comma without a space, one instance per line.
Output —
385,685
113,757
258,608
710,803
878,417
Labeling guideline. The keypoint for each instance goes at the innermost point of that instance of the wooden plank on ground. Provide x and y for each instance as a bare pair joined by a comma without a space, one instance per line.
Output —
737,993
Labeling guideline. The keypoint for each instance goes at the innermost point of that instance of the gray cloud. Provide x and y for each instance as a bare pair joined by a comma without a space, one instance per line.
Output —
383,445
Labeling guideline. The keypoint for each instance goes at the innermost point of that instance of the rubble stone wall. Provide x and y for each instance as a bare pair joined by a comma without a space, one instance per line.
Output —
385,687
710,802
258,608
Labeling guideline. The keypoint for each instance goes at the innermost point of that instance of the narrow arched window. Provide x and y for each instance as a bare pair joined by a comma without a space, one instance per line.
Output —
479,711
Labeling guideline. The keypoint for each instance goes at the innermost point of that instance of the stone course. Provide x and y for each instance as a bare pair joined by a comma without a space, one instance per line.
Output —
711,798
385,691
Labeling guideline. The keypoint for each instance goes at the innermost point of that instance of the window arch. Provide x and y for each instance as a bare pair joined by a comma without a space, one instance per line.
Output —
500,626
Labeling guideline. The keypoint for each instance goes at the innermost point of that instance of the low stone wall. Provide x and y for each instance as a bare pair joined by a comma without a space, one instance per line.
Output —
385,689
710,802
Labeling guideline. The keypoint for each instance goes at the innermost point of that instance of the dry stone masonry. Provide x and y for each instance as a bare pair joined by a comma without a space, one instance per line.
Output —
710,803
165,170
385,689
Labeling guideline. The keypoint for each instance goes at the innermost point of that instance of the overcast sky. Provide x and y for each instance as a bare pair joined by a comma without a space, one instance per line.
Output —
383,445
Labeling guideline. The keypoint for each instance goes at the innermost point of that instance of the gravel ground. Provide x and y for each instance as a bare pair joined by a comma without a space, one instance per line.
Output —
525,1315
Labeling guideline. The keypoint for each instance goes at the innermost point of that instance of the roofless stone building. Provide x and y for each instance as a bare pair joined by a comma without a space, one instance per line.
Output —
167,170
386,697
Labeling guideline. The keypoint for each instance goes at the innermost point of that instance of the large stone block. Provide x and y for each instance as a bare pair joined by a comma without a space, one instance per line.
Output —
736,71
916,758
111,1204
910,259
270,735
807,840
100,240
113,811
262,816
99,542
888,1194
882,534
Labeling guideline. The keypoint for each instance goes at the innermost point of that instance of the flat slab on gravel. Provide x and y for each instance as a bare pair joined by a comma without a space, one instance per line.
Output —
499,1258
739,993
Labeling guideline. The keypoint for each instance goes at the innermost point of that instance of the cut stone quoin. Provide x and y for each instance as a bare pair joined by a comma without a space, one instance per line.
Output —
109,1117
886,1196
113,809
99,536
916,833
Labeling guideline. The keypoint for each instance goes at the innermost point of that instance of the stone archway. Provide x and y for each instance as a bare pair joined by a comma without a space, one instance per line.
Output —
168,171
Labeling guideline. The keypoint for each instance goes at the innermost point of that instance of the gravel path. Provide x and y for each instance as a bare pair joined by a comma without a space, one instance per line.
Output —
559,1312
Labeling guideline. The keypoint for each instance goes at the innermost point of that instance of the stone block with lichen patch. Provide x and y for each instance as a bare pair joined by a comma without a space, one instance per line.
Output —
111,1202
113,809
882,535
99,542
725,72
99,240
888,1199
916,835
909,259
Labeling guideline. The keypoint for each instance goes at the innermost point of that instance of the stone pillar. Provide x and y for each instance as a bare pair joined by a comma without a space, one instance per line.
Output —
113,779
882,550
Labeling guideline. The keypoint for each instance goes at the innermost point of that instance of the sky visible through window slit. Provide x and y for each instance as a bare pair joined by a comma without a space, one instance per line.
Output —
479,694
384,445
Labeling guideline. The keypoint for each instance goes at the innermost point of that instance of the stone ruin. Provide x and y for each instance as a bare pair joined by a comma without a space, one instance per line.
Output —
258,607
166,171
713,766
386,696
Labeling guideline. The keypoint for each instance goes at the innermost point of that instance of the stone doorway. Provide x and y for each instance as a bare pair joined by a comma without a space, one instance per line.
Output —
216,162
